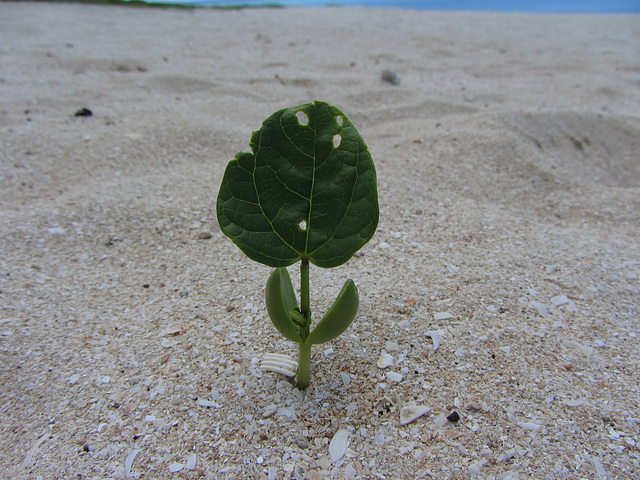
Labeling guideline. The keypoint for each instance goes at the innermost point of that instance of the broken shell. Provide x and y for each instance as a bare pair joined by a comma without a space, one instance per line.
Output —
411,412
339,444
532,427
128,462
435,338
278,363
170,331
385,360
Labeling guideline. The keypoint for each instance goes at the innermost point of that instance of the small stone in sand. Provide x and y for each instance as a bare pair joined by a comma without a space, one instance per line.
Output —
57,231
385,360
390,76
453,416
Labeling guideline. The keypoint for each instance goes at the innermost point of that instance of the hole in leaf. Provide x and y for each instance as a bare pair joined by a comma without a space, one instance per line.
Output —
303,225
339,119
336,141
303,119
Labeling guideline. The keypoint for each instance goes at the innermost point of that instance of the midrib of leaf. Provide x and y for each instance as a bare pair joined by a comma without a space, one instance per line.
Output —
313,179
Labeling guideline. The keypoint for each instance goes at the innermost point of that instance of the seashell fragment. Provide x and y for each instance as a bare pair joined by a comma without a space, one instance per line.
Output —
128,462
578,347
442,316
190,464
531,427
339,444
440,420
385,360
170,331
542,309
394,377
435,338
166,343
411,412
278,363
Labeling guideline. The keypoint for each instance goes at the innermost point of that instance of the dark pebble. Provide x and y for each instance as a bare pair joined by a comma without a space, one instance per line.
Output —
453,416
83,112
390,76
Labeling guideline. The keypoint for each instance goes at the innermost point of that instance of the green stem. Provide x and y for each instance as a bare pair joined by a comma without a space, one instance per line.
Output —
305,307
304,366
304,359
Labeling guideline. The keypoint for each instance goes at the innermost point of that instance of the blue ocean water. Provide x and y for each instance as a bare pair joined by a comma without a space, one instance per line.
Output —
533,6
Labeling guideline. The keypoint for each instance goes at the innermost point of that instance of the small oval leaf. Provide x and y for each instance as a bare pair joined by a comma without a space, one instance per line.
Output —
307,190
339,316
281,299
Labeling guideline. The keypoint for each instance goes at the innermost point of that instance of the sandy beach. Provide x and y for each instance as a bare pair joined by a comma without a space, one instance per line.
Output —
501,291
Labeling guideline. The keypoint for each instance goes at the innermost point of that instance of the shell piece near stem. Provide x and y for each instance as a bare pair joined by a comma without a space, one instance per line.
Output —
279,363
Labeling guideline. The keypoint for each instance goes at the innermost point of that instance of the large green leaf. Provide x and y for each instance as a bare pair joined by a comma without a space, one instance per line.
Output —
307,190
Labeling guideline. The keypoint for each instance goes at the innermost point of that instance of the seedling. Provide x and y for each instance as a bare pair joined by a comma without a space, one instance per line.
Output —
307,193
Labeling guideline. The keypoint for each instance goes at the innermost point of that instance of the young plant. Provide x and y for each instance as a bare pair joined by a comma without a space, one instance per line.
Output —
306,193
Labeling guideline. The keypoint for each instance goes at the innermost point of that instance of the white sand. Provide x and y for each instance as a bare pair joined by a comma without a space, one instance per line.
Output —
509,174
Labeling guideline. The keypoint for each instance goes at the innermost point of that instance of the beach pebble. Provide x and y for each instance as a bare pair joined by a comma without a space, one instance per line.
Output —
339,444
541,308
453,416
83,112
302,442
410,413
560,300
391,346
385,360
394,377
531,427
286,414
578,347
57,231
486,452
474,407
176,467
390,76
